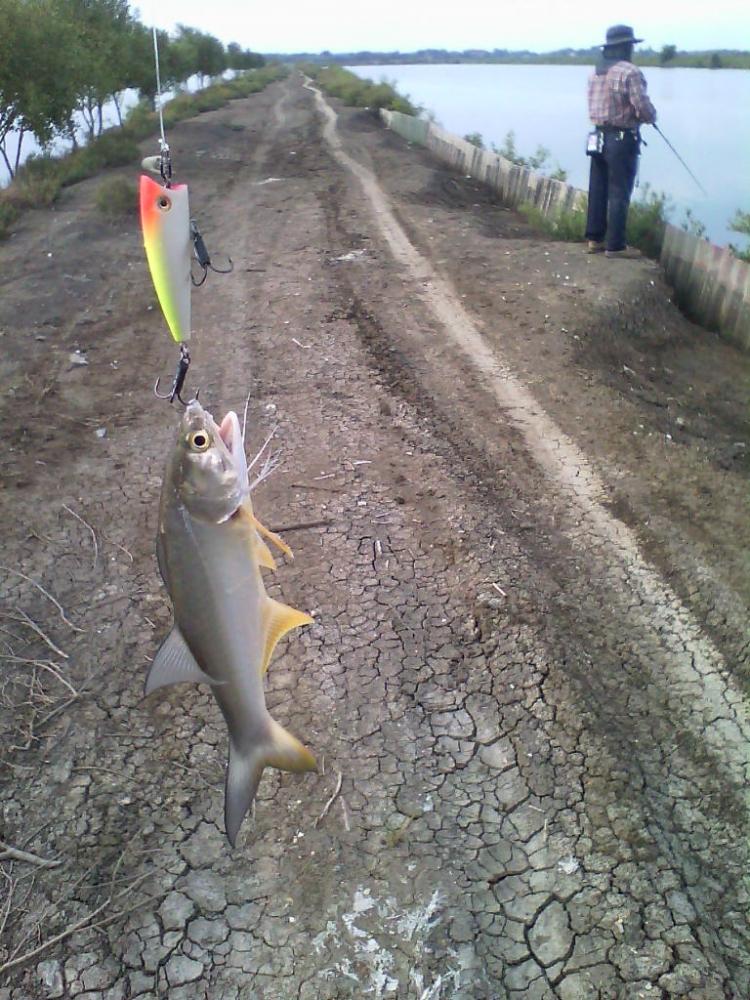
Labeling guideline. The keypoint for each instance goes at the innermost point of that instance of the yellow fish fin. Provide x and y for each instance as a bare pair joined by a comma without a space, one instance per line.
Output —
265,559
287,753
247,519
246,766
278,619
271,536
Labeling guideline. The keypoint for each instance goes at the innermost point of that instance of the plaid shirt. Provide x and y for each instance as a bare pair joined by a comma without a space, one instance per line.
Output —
618,97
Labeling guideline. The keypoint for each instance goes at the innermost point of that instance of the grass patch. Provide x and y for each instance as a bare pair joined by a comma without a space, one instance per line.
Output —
568,225
645,230
647,219
358,92
8,215
117,198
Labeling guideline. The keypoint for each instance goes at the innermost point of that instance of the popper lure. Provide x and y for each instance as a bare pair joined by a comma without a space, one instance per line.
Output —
165,221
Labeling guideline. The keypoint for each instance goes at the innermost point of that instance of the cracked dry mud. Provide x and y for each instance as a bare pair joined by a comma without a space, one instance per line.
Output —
518,479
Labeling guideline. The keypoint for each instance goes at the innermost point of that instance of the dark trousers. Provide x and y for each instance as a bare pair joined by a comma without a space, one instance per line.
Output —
611,183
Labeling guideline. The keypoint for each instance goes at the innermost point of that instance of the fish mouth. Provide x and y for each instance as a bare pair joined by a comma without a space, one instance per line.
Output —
231,434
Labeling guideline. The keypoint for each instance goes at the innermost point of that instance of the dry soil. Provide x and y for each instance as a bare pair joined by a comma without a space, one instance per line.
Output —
515,480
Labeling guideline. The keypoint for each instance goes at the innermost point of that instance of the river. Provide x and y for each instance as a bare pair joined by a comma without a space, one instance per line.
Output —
704,113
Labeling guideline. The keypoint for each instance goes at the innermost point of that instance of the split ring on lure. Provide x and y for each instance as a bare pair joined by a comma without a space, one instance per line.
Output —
165,221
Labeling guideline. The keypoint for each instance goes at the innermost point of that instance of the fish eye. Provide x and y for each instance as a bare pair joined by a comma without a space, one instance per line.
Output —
198,441
163,203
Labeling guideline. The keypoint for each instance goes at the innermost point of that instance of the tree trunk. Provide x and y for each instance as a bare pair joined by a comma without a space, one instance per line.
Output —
18,150
87,110
116,100
8,164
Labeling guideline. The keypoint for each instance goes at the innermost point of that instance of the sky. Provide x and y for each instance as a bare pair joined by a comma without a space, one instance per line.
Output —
406,25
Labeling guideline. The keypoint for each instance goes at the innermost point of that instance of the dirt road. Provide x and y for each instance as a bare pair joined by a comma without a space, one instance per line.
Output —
515,481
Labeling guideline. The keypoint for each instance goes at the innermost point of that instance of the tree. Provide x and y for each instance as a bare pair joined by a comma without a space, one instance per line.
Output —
141,71
197,52
102,58
212,58
39,72
667,54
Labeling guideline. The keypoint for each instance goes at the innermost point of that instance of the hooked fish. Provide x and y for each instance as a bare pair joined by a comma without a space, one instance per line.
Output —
165,221
210,553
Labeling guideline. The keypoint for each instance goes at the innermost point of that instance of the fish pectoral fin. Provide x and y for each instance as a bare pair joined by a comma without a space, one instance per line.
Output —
277,540
244,770
265,559
261,550
278,619
175,664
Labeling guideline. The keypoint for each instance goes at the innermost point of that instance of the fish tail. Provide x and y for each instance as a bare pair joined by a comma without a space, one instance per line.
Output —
287,753
281,750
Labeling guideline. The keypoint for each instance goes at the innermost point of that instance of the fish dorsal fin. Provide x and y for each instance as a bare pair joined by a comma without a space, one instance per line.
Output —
175,664
264,532
278,619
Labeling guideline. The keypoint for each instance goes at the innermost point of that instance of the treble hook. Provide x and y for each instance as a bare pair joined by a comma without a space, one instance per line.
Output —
201,254
179,379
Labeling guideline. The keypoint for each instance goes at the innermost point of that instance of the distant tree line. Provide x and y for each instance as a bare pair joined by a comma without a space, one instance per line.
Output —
668,55
60,57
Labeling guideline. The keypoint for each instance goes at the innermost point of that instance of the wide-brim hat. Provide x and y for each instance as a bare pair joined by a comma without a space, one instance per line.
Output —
620,33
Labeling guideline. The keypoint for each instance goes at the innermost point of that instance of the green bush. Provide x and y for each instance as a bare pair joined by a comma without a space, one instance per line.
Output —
568,224
212,98
9,212
475,138
646,221
37,183
117,198
141,121
740,223
115,148
80,164
358,92
538,161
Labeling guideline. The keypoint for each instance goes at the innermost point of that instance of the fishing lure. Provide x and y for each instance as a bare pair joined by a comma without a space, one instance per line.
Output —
172,241
165,221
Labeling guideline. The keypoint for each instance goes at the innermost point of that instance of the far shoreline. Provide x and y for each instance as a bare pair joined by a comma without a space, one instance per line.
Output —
710,59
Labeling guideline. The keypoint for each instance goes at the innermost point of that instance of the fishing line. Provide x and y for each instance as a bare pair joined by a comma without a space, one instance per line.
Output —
680,159
165,166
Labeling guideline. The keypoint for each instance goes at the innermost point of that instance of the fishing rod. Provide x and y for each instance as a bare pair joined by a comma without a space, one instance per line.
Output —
680,158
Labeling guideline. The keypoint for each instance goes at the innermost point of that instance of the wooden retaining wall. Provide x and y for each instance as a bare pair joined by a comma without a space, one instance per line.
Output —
711,285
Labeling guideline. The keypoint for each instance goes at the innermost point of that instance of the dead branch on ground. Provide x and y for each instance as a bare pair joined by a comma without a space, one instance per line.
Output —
46,593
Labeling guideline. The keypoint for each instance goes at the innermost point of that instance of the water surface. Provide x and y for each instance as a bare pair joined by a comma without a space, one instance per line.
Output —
705,114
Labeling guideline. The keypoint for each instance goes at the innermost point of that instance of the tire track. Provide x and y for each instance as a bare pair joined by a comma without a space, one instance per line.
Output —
694,662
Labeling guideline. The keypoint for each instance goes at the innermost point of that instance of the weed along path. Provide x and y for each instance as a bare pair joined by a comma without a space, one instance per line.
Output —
515,482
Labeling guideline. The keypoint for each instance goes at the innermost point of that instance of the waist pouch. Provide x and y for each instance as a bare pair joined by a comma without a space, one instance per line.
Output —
594,142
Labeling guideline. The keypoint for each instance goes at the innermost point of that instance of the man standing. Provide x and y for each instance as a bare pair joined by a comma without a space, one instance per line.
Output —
618,105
